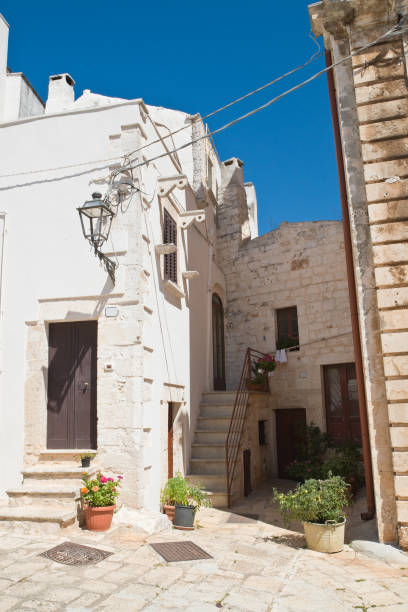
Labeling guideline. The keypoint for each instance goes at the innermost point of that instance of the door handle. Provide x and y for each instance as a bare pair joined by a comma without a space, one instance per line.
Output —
83,386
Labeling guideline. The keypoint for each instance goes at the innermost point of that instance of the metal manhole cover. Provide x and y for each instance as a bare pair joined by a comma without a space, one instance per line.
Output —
180,551
242,518
69,553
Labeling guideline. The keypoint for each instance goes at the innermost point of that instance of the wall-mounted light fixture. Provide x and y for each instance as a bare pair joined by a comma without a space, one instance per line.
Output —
96,219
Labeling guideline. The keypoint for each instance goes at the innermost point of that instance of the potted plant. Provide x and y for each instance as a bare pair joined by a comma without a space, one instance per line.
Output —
99,500
181,500
319,505
86,459
261,369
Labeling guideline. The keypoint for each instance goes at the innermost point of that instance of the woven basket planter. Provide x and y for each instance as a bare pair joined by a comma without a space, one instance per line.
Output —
327,538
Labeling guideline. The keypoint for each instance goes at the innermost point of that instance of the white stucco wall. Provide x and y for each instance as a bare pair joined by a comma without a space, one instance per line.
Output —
60,279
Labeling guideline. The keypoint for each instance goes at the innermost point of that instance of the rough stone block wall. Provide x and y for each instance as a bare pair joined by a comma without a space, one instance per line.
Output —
382,97
372,103
302,265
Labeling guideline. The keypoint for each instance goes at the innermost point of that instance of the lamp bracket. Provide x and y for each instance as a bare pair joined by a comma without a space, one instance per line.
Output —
109,265
187,217
166,185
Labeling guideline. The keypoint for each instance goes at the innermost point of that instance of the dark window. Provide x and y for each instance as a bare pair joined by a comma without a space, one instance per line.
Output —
170,236
342,411
262,433
288,331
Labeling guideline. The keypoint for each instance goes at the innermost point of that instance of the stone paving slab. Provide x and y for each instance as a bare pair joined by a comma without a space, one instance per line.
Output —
256,567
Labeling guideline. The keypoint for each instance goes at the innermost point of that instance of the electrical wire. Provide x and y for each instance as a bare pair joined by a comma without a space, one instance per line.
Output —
272,101
122,168
315,55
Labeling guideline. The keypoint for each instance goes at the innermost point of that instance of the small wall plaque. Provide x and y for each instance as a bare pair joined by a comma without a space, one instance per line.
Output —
111,311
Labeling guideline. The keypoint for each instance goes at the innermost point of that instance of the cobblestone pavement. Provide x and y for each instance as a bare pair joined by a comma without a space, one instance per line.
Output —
256,567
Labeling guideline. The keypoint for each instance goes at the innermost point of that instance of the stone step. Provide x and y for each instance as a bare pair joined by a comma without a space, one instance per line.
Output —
208,450
36,519
219,423
208,466
216,410
64,455
210,435
220,397
43,472
210,482
218,499
51,494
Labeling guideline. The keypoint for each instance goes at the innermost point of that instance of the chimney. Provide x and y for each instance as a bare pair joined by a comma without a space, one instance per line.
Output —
4,32
60,93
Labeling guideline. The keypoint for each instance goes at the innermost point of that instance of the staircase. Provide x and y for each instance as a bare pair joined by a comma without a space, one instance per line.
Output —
207,463
49,498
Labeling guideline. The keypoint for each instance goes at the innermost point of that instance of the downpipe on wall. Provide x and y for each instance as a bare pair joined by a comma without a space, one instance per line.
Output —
368,468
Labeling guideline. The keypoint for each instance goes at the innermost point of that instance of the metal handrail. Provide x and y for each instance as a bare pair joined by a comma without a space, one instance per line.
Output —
235,430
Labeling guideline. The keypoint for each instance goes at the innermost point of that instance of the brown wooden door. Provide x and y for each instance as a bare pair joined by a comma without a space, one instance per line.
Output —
247,472
342,410
288,421
218,343
71,414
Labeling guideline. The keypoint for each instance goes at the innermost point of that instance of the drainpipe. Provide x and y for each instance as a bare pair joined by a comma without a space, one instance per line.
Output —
368,468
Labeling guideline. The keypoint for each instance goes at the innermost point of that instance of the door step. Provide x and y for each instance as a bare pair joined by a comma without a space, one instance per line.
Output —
58,473
61,496
72,455
36,519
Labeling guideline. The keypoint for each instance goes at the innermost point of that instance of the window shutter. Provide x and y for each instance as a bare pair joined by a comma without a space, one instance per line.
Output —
170,236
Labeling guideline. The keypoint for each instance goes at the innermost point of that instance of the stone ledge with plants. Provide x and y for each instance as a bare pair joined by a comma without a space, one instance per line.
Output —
261,369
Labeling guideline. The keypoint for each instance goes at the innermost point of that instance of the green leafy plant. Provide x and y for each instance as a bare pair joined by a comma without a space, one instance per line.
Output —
315,501
345,460
87,455
286,343
302,470
100,491
261,367
178,491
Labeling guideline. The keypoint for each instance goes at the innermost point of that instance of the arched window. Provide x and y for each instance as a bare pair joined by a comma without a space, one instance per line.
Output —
218,343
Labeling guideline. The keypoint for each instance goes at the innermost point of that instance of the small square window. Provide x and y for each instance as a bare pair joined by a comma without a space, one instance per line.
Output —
262,433
288,330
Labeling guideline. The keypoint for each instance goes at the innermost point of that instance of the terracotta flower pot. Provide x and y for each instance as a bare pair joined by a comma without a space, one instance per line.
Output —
99,519
169,510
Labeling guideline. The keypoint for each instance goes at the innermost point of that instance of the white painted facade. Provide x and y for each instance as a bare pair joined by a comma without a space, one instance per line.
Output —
158,348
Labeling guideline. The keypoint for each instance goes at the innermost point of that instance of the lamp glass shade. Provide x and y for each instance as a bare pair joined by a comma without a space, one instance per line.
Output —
96,220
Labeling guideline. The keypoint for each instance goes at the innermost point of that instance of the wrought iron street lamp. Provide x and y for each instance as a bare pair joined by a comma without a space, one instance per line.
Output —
96,220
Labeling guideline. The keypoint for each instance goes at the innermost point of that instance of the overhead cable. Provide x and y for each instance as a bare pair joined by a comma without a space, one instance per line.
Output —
263,106
397,28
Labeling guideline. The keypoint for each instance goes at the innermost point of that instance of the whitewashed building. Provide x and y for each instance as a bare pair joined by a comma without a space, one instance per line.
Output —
133,364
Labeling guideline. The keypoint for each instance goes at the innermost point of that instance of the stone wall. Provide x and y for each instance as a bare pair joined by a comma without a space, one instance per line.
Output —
373,114
263,457
302,265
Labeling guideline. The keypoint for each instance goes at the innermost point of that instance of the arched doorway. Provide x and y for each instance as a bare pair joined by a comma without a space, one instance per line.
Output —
218,343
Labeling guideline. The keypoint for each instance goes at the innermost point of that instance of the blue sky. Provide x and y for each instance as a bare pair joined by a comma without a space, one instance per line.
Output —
196,57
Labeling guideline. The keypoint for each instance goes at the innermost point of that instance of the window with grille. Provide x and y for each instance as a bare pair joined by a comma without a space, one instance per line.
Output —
288,330
170,237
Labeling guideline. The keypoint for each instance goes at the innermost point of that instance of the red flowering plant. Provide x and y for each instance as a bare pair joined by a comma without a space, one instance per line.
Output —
261,368
100,491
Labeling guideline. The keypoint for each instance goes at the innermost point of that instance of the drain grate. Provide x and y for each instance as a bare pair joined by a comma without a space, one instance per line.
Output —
180,551
242,518
69,553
